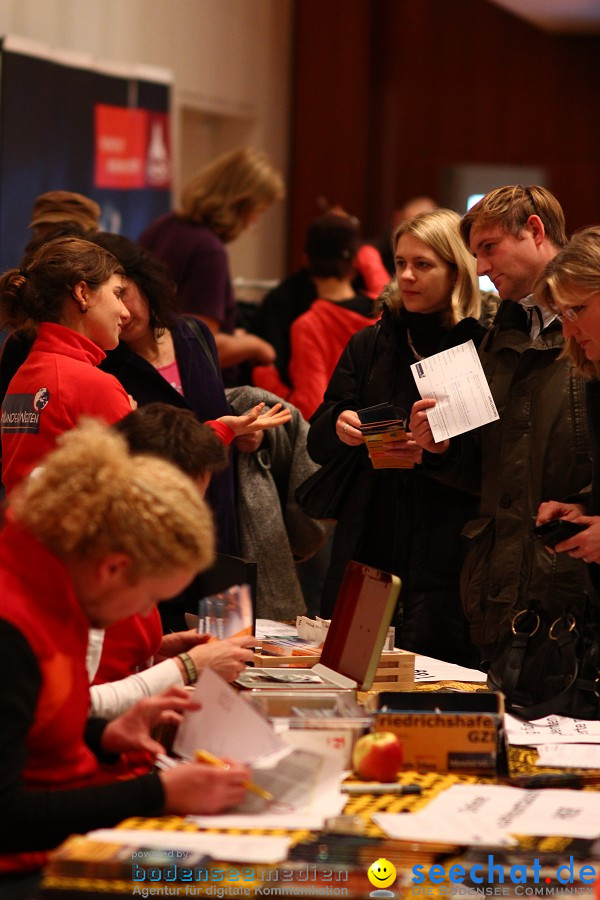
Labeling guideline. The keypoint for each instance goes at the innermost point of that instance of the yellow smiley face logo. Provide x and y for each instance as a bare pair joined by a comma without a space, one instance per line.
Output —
381,873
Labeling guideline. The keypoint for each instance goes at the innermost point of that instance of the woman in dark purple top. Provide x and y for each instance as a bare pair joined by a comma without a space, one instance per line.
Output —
216,206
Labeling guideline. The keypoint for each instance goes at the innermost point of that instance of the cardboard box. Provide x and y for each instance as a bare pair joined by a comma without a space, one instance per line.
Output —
446,731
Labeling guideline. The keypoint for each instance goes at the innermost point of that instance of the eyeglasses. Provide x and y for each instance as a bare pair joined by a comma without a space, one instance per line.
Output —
569,313
572,313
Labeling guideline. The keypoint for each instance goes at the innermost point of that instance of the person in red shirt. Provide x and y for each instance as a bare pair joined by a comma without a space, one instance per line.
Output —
319,336
90,539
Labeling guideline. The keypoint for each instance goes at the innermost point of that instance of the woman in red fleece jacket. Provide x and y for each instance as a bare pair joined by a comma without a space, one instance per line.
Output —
72,292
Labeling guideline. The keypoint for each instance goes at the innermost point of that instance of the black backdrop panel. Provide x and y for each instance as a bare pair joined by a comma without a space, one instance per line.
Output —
47,143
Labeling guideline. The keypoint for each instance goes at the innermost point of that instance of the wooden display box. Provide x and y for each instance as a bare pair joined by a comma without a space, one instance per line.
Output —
395,672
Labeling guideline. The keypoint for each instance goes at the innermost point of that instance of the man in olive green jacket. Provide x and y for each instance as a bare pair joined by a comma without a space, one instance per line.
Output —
538,449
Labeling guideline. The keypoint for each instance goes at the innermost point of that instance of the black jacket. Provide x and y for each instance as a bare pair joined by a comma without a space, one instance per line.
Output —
399,520
203,392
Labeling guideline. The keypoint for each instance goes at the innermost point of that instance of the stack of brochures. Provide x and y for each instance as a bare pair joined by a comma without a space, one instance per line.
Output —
380,425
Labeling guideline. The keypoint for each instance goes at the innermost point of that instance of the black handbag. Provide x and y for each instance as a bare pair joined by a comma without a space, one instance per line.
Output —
322,495
550,666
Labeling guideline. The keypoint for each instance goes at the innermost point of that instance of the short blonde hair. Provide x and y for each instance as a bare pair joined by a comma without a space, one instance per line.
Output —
439,230
230,188
574,269
91,498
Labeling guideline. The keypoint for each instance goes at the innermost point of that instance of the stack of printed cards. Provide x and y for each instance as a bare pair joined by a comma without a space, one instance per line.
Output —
380,425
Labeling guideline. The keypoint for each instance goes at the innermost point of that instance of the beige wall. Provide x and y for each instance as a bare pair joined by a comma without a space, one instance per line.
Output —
231,65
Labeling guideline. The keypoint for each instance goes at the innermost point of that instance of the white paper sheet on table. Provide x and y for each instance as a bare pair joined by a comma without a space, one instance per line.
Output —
240,848
429,669
576,756
552,730
490,813
455,379
225,725
271,628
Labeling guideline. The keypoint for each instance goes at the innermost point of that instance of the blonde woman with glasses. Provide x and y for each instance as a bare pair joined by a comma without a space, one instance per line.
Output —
570,287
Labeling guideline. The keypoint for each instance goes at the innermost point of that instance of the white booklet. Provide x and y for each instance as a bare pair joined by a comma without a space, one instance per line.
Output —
455,379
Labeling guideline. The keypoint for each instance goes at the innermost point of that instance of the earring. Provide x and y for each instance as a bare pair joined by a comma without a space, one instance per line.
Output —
83,307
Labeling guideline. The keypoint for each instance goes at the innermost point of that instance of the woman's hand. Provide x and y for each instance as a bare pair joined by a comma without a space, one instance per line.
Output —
227,658
407,451
131,731
421,429
256,420
249,443
195,788
586,544
179,642
556,509
347,428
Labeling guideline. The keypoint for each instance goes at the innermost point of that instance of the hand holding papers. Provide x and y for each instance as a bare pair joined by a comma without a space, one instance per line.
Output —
304,784
454,378
382,427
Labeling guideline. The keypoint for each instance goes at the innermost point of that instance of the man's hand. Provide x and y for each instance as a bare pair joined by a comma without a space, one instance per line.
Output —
131,731
227,658
347,428
586,544
556,509
197,789
421,429
179,642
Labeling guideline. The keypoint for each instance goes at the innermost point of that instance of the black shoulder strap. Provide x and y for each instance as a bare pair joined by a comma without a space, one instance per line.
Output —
195,328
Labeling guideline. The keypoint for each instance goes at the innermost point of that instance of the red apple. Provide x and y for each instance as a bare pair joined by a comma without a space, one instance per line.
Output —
378,756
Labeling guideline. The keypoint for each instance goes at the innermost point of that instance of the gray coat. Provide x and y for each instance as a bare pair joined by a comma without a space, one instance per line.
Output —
273,529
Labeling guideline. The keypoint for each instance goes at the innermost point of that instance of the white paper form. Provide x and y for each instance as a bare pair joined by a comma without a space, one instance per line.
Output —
552,730
225,725
240,848
493,813
576,756
307,788
429,669
455,379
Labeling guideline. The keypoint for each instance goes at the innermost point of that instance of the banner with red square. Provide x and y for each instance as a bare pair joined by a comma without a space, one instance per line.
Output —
131,148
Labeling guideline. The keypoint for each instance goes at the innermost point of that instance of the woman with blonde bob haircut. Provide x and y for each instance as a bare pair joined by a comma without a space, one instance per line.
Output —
439,230
223,199
93,535
396,518
570,286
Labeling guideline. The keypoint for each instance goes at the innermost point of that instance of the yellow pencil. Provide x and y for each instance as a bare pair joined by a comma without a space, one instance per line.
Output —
211,760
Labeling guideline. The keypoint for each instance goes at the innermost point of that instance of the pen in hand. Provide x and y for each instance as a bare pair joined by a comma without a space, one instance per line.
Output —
205,757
